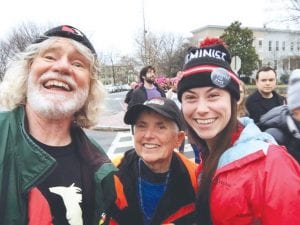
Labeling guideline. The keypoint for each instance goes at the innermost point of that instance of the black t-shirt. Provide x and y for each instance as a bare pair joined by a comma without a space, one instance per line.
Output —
269,103
63,187
257,105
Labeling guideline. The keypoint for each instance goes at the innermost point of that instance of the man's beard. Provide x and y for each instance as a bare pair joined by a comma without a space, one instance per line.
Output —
150,80
55,105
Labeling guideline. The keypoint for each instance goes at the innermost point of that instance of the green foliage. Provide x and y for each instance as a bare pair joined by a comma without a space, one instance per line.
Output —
240,43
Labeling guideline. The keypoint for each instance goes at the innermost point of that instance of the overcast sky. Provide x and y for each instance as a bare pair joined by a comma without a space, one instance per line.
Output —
112,25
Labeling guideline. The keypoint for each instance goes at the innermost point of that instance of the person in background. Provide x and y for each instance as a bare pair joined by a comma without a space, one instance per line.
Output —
50,171
265,97
148,88
154,184
195,147
172,92
242,111
244,176
133,86
283,122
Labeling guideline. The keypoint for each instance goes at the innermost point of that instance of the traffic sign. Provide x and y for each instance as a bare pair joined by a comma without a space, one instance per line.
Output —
236,63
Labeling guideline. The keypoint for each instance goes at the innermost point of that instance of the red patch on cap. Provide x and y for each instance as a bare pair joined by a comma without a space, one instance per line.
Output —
68,29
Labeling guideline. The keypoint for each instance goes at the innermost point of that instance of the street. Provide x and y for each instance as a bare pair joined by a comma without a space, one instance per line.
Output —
111,140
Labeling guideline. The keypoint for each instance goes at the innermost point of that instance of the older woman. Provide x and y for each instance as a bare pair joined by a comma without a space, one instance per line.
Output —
155,184
244,177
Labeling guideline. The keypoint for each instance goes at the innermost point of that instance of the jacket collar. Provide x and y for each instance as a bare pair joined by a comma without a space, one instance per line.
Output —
35,163
251,144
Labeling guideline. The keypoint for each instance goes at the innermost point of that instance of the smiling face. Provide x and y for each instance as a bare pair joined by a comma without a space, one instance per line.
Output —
58,83
155,138
207,110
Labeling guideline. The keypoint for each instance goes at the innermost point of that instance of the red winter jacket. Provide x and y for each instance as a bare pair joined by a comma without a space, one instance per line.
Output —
256,182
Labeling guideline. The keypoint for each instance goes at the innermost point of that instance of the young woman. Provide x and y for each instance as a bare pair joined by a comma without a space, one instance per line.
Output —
244,177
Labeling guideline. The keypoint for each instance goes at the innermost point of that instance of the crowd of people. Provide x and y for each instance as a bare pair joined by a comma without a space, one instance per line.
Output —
247,149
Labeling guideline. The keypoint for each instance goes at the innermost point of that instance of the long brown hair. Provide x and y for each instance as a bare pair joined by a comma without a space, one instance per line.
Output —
210,161
241,109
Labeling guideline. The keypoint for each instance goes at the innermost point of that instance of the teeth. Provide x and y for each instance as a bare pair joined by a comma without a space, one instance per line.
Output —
150,145
205,121
57,83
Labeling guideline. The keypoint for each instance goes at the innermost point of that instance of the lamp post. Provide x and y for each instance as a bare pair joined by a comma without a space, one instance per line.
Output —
144,34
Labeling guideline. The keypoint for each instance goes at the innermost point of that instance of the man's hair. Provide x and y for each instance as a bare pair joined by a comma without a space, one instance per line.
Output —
265,69
144,71
14,85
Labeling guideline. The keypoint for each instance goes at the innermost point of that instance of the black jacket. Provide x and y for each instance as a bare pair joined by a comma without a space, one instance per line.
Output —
256,107
177,204
279,123
128,96
139,95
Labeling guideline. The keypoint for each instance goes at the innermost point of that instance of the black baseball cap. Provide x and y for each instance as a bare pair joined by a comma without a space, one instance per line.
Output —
163,106
67,31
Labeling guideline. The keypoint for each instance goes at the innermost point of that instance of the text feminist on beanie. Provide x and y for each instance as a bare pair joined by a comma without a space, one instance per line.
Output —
209,65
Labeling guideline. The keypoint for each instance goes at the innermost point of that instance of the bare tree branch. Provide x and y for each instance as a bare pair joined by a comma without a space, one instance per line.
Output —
16,41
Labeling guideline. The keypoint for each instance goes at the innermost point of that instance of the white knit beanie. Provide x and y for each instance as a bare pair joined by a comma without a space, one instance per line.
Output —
293,90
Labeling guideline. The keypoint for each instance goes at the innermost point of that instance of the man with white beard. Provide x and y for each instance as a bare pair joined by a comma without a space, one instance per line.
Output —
48,94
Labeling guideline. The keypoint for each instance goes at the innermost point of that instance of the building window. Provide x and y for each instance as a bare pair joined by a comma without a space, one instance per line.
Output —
275,64
270,46
298,46
260,45
292,46
277,46
283,46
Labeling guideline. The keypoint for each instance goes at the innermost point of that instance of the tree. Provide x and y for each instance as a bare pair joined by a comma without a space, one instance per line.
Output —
240,43
293,7
171,54
283,13
130,64
16,41
147,48
165,51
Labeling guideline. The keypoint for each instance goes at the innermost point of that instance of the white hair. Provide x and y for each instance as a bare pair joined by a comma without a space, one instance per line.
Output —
14,85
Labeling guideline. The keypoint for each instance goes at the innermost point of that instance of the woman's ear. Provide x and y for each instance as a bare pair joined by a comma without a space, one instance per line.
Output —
180,138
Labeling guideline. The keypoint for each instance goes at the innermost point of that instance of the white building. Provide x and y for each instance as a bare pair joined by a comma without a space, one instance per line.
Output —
277,48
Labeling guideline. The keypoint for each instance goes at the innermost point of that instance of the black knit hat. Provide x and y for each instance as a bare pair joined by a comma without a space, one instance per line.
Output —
163,106
209,65
67,31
